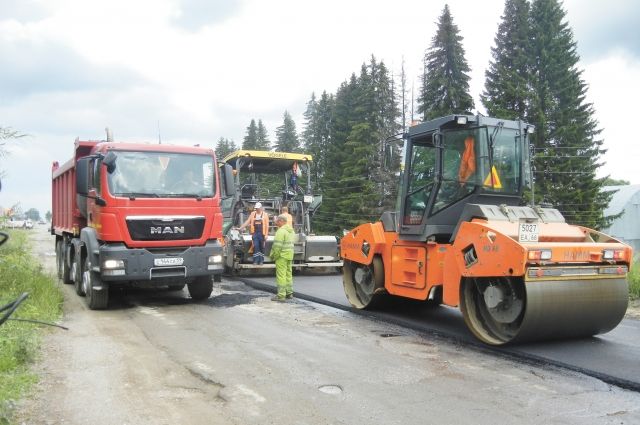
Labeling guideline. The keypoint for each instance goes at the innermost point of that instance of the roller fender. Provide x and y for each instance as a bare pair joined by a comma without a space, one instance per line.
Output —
362,243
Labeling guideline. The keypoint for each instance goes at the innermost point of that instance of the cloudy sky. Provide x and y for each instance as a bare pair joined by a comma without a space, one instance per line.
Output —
202,69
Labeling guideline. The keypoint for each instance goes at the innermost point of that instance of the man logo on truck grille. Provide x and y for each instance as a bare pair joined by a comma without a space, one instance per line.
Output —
167,230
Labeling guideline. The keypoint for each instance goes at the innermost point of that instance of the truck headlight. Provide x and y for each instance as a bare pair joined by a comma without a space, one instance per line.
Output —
113,264
213,259
113,268
214,262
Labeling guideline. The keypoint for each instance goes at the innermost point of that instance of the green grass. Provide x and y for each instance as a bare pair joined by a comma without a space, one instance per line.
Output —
19,341
634,281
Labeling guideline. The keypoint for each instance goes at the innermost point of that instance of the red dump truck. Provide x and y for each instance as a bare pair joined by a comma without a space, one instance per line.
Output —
138,214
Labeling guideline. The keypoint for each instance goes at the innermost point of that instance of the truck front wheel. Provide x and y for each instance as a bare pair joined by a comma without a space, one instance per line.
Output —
97,293
200,288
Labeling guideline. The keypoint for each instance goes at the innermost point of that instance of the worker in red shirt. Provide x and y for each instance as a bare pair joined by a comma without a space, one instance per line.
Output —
258,223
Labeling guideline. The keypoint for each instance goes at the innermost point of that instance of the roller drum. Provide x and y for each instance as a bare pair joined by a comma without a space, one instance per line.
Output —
506,310
573,308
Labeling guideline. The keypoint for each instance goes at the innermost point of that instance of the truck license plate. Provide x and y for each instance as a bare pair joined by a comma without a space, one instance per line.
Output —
169,261
528,232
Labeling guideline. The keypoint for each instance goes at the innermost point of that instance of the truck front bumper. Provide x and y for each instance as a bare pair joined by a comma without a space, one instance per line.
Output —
119,263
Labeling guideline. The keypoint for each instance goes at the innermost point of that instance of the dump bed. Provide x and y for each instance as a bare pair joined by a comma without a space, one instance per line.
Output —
66,217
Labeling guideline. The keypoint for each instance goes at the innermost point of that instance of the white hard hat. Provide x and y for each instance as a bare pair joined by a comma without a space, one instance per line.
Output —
258,205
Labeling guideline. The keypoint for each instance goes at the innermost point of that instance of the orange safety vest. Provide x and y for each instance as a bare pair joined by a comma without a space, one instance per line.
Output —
263,220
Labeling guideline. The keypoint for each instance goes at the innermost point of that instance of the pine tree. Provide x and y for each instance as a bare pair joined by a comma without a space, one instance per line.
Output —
507,84
250,141
262,139
445,88
224,147
568,151
286,135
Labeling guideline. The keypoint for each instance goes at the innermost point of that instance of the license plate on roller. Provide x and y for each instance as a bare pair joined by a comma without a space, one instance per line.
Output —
528,232
170,261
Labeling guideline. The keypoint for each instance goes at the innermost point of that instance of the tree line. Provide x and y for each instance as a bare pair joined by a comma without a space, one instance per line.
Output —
533,75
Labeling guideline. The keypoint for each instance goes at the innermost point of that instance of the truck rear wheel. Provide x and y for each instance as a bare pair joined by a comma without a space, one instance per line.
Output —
77,274
97,293
364,283
200,288
59,258
64,272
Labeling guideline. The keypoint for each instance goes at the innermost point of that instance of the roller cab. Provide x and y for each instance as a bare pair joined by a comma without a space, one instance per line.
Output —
461,237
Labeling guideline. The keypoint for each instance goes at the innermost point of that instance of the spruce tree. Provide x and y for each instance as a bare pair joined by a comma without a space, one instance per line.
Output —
332,184
366,186
250,141
309,115
568,151
507,84
262,138
224,147
317,127
286,135
445,88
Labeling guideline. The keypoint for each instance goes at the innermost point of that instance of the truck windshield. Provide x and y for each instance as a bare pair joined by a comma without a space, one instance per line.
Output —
162,174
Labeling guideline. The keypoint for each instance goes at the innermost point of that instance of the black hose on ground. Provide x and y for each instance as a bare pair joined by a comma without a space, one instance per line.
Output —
11,307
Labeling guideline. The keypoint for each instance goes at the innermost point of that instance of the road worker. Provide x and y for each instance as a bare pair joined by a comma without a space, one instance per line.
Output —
258,223
282,254
285,212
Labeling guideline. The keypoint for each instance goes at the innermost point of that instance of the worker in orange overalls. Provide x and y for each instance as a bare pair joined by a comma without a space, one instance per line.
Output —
258,223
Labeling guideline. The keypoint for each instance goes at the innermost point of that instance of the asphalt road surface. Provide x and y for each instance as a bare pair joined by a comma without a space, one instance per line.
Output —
613,357
157,357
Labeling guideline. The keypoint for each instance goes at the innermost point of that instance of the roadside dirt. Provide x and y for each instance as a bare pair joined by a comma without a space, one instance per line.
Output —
238,358
633,311
101,363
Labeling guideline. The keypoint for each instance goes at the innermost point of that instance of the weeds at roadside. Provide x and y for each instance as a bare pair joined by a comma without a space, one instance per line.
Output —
634,281
19,341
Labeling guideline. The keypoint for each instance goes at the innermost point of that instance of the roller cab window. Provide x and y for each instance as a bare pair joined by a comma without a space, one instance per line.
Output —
460,166
421,175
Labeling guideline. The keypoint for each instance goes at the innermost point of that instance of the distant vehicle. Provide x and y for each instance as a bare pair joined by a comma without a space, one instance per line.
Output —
15,224
28,224
42,222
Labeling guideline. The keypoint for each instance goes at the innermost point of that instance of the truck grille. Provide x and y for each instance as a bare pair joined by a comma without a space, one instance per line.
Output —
169,228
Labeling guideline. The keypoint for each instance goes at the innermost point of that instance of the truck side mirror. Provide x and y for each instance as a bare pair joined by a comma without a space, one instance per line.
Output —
110,161
82,176
229,180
